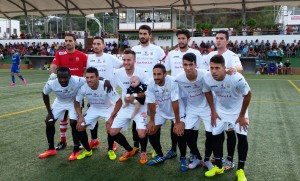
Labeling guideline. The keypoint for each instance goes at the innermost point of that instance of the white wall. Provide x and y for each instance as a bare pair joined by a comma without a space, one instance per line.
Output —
5,23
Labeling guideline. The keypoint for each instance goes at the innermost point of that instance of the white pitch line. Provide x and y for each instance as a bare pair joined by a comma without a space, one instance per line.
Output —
8,86
273,79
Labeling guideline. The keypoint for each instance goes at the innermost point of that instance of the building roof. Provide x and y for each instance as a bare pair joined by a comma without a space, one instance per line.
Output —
11,8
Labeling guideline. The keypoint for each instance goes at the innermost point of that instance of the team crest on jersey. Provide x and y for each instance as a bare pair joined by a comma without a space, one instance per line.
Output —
146,53
77,59
62,53
166,90
228,86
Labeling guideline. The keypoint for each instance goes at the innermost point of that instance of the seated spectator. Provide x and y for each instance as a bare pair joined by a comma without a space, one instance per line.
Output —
245,51
272,68
263,67
251,52
287,67
279,67
270,54
280,54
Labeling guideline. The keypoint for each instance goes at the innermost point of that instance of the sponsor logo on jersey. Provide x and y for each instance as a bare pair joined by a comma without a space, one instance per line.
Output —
62,53
92,60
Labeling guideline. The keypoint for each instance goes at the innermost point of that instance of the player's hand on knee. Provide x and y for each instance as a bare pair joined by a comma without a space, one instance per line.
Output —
107,86
150,127
52,76
178,129
214,117
243,123
49,119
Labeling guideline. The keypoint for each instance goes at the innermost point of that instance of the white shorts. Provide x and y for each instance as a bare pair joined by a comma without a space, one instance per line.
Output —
159,120
92,115
192,121
228,122
123,118
59,109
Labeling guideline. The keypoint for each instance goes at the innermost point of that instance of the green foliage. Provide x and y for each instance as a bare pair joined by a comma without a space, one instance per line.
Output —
251,22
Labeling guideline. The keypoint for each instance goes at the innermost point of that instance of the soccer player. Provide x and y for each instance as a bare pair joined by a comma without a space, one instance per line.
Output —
123,118
76,61
191,86
229,111
233,65
162,97
147,55
173,63
105,64
65,87
15,68
102,104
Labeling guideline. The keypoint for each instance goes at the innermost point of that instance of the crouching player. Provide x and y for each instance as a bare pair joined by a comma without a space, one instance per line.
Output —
102,104
65,88
230,111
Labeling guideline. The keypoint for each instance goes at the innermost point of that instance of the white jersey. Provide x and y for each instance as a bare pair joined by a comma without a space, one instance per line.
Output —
105,64
147,57
173,61
64,94
99,99
231,59
122,80
163,96
228,93
194,92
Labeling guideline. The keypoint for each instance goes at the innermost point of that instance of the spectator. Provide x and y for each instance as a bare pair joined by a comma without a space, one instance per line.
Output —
279,67
272,68
263,67
287,67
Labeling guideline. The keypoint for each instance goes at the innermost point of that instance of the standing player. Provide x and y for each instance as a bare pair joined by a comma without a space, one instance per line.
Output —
65,87
191,86
229,111
123,118
173,63
105,64
233,65
102,104
163,91
76,62
147,55
15,68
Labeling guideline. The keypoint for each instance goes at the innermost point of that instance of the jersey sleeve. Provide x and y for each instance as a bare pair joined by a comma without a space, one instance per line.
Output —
116,62
84,60
161,54
167,62
56,59
47,88
150,96
114,96
242,86
80,94
174,91
235,61
205,87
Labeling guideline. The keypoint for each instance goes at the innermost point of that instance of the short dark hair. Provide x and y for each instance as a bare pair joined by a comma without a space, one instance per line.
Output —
92,70
225,33
129,51
219,59
99,38
72,35
145,27
191,57
160,66
184,32
63,69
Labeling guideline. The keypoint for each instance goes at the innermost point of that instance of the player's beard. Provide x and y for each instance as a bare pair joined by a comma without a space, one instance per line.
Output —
144,40
182,45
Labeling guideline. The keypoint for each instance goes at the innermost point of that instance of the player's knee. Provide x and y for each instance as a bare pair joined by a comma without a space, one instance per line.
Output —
73,123
113,132
142,133
50,122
